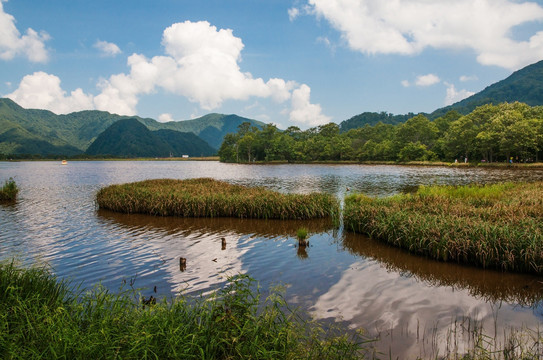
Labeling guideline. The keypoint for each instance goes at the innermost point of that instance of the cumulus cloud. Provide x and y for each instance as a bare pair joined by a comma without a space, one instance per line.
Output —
43,91
107,48
427,80
407,27
303,111
454,95
165,118
30,45
200,63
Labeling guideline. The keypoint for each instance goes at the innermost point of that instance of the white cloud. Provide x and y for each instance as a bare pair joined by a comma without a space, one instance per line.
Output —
42,91
465,78
405,83
303,111
427,80
201,64
293,13
407,27
12,43
107,48
454,95
165,118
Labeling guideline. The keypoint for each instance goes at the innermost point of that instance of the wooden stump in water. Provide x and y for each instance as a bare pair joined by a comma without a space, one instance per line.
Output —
182,264
223,245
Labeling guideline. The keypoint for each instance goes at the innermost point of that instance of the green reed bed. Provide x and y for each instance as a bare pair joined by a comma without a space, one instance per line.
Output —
9,191
493,226
205,197
41,317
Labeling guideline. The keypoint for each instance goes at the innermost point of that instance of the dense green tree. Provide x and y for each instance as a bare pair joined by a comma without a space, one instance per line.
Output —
490,132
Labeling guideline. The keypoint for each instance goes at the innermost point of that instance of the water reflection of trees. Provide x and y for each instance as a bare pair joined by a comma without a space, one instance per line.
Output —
490,285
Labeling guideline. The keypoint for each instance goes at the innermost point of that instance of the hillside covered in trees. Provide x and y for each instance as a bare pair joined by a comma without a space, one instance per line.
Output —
130,138
43,133
524,85
490,133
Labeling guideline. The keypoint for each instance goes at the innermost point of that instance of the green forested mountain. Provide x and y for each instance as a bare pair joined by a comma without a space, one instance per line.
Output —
31,131
524,85
372,118
185,143
130,138
212,127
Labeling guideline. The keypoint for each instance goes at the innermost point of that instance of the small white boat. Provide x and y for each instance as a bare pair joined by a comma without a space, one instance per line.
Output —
64,162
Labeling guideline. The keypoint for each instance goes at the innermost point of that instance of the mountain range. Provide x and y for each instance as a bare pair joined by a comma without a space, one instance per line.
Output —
32,131
524,85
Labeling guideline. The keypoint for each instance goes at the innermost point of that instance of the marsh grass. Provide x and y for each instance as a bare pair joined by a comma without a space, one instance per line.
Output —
206,197
301,233
41,317
493,226
9,191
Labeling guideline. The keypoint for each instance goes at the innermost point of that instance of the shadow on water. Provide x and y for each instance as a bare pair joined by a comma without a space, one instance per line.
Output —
490,285
216,226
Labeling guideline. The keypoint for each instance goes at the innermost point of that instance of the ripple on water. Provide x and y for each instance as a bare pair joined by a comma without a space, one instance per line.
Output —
339,276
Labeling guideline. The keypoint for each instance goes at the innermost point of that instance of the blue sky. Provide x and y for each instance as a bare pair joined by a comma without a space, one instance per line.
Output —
296,62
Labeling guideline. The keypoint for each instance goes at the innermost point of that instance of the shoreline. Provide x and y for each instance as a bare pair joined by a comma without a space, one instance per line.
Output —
494,165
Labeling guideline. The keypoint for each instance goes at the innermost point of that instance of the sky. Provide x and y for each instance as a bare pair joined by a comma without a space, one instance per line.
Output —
292,63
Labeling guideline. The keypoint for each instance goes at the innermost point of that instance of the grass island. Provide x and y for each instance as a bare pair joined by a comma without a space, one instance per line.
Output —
205,197
491,226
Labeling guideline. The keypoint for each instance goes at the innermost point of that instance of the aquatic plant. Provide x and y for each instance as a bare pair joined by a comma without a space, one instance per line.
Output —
204,197
41,317
9,191
492,226
301,233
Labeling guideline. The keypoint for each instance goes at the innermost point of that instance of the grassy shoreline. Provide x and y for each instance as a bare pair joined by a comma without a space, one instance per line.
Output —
205,197
497,165
43,317
493,226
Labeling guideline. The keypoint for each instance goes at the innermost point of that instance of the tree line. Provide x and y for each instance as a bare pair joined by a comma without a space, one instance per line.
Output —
490,133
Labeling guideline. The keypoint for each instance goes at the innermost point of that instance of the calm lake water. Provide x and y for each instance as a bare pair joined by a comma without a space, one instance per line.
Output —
409,302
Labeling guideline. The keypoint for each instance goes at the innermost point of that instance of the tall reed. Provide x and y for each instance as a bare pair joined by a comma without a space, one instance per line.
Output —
9,191
206,197
43,318
493,226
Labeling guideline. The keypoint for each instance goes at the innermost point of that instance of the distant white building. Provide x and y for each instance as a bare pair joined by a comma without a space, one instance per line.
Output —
185,156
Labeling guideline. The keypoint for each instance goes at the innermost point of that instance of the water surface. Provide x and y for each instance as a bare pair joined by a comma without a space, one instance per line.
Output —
409,301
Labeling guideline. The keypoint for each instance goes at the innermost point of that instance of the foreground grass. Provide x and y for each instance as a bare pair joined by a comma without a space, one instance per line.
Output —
495,226
9,191
212,198
42,317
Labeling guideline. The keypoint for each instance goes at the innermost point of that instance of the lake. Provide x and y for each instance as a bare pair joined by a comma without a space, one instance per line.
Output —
409,302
